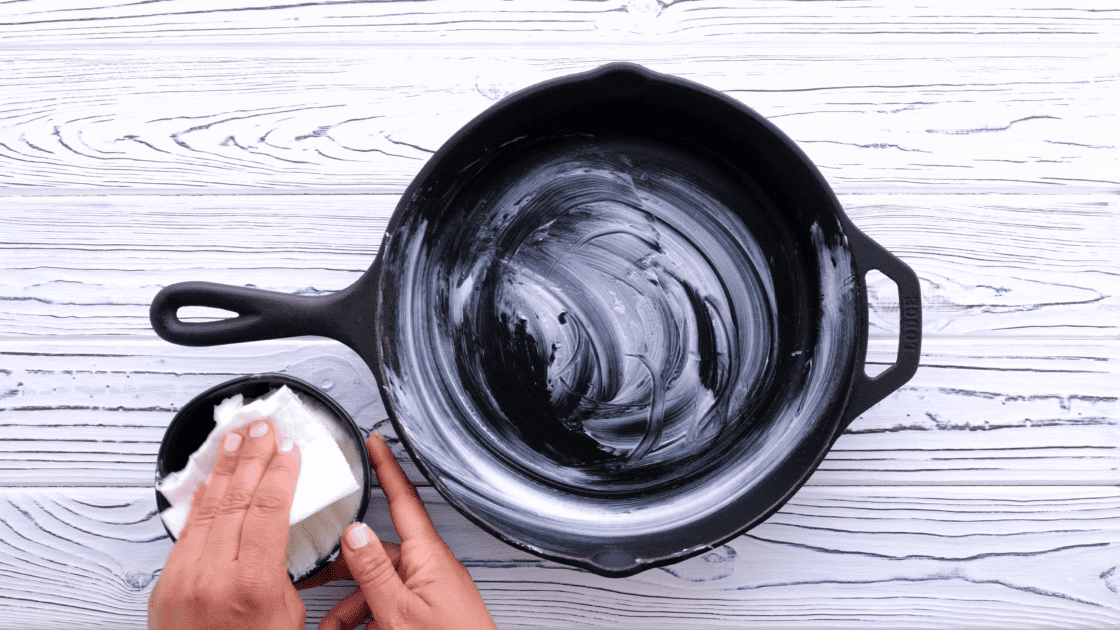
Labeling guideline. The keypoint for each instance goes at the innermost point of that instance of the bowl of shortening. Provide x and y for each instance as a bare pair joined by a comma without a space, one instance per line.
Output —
334,481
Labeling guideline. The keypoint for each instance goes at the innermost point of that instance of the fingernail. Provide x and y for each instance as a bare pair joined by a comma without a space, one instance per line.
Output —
377,435
359,536
232,441
259,429
206,481
286,446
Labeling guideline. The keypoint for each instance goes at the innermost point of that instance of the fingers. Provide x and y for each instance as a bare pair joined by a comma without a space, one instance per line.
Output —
386,594
408,513
196,508
182,545
264,531
204,509
333,572
254,454
297,610
393,550
347,614
338,570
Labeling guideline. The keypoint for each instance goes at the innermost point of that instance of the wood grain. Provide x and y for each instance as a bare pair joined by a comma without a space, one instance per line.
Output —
840,557
533,22
265,143
874,118
1034,266
995,266
1020,411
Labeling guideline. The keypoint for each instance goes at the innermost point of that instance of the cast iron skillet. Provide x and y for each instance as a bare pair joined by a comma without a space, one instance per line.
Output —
617,319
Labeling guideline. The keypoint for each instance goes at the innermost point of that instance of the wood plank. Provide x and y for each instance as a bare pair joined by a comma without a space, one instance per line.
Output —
999,265
525,22
939,557
93,412
977,408
956,118
993,266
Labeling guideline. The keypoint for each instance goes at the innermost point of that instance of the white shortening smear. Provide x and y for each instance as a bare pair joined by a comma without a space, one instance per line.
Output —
327,491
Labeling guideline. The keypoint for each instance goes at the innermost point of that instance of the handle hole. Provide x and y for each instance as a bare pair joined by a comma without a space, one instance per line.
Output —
882,342
202,314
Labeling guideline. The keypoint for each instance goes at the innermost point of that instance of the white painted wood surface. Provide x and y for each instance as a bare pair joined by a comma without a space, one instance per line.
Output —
256,142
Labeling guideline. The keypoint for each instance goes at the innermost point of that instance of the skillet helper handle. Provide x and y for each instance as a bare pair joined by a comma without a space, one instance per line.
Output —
260,314
866,390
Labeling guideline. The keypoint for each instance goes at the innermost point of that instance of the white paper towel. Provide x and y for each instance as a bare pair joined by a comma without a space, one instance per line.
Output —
324,478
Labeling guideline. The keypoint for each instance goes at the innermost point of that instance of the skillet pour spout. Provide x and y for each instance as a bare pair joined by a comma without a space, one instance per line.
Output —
617,319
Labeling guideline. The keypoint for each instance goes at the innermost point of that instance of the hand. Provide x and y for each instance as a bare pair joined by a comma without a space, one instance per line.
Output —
427,590
228,570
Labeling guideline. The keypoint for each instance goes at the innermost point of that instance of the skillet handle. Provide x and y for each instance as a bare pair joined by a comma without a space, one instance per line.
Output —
260,314
867,391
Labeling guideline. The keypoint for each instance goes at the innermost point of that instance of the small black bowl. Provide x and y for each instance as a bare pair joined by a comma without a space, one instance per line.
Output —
194,422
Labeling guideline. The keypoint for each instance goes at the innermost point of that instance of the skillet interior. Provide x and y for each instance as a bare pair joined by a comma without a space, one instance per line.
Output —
617,326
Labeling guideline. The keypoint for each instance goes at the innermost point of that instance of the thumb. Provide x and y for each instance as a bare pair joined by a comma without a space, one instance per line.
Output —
373,570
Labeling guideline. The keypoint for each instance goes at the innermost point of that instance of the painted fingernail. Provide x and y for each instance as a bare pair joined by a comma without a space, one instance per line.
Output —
259,429
232,441
286,446
359,536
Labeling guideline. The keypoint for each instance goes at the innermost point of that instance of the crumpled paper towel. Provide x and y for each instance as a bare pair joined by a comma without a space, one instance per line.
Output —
324,476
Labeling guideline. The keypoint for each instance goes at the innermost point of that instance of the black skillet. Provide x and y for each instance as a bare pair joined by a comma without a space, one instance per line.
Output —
617,319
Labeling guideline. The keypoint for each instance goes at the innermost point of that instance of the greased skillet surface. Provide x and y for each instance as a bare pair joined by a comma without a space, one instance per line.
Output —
604,337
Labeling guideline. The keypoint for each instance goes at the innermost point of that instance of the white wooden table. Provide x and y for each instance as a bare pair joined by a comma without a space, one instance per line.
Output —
263,143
